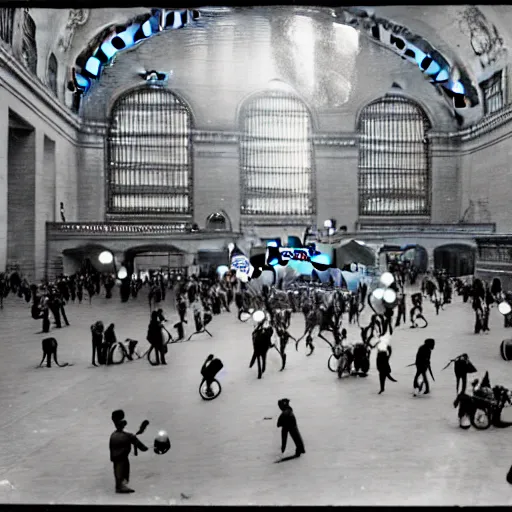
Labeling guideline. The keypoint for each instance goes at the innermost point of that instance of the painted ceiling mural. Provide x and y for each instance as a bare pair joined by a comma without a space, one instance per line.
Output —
449,77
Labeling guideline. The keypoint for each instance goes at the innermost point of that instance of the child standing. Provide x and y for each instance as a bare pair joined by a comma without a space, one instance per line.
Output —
288,423
120,446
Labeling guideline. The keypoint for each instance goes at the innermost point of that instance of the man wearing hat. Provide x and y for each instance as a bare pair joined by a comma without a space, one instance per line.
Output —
120,446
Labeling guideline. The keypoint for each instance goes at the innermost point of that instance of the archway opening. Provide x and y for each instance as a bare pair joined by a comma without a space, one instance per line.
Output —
146,260
218,221
86,258
457,259
417,256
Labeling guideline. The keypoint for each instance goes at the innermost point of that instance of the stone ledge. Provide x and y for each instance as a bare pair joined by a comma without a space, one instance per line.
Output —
59,230
36,87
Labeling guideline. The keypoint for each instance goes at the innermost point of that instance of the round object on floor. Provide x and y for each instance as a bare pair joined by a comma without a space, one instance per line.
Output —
162,443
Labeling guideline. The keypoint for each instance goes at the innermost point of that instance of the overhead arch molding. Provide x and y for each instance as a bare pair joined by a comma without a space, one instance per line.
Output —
103,49
450,79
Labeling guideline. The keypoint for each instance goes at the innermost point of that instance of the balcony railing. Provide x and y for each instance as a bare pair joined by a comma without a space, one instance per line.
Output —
427,227
119,230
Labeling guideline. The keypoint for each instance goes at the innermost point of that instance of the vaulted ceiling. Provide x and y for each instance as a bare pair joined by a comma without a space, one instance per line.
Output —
455,47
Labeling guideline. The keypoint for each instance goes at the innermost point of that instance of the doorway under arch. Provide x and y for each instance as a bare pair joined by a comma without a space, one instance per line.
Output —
457,259
417,255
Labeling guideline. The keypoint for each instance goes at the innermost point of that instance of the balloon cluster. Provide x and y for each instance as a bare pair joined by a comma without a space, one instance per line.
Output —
384,296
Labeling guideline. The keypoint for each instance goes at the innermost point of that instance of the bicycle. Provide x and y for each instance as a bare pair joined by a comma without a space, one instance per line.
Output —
215,388
211,367
339,363
127,349
419,316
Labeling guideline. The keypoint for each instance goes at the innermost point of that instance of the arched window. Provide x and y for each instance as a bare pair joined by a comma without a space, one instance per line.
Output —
29,47
276,156
6,24
217,221
394,162
52,73
149,151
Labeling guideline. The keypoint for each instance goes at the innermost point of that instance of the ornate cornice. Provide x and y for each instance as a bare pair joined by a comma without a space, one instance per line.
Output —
336,139
91,127
270,220
487,125
319,139
59,230
40,91
215,137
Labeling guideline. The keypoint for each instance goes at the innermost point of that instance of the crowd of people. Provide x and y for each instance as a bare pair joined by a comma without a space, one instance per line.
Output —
323,306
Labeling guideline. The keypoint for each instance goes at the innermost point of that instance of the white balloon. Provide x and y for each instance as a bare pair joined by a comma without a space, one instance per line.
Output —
378,293
241,276
504,308
387,278
221,270
106,257
123,273
389,296
231,247
258,316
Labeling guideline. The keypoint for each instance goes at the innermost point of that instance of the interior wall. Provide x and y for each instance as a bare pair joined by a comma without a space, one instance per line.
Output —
486,178
21,199
4,150
45,207
53,170
217,67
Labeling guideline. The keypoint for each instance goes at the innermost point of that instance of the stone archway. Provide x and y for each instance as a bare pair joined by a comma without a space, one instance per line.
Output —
417,255
152,257
456,259
83,256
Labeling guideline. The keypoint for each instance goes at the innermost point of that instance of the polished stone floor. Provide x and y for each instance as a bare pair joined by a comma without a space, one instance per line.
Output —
362,448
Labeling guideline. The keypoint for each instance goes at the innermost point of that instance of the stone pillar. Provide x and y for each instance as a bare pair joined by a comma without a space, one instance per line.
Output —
445,180
4,169
336,163
92,175
216,177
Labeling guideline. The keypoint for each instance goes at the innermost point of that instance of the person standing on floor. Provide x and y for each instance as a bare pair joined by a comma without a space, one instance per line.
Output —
120,447
288,424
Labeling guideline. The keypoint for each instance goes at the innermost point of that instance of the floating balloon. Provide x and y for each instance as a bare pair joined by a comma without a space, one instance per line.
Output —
387,279
389,296
123,273
221,270
504,308
106,257
259,316
162,443
378,293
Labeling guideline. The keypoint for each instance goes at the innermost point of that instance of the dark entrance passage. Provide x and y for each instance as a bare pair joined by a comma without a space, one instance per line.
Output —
456,259
417,255
144,260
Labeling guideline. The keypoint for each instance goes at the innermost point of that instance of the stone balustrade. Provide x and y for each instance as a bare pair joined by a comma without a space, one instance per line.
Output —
118,229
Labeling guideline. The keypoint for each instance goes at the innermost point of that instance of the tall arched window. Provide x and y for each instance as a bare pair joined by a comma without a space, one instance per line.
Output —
276,156
52,73
6,24
394,162
149,151
29,46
